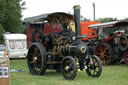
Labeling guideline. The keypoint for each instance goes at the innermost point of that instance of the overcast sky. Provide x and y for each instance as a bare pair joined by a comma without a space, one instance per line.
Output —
104,8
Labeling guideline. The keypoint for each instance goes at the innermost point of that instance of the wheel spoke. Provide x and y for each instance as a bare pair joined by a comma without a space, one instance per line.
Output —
98,54
93,72
104,61
105,50
31,54
96,64
31,62
35,51
101,48
94,61
38,55
36,69
71,66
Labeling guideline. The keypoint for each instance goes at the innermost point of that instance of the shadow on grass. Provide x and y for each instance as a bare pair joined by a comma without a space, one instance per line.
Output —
124,65
80,75
51,73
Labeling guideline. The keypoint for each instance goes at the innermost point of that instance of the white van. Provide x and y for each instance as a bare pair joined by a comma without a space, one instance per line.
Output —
16,45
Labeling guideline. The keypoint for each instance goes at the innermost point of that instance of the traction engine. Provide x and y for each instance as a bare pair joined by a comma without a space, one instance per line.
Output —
61,51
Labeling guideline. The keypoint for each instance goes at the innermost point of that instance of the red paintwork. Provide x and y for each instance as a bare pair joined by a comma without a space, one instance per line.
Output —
51,28
86,31
48,29
107,39
29,35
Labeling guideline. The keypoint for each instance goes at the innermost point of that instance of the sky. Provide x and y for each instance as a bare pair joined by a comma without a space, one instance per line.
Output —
103,8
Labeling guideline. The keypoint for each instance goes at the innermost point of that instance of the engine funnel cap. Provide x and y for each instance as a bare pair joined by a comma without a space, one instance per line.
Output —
76,7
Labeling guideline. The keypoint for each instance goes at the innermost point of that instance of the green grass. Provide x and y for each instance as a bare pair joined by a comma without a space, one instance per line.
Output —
111,75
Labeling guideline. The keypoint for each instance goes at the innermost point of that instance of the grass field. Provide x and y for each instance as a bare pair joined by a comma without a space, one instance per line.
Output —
111,75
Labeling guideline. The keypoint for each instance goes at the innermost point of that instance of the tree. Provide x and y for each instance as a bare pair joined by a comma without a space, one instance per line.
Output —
10,16
125,19
83,18
1,33
102,20
12,21
2,10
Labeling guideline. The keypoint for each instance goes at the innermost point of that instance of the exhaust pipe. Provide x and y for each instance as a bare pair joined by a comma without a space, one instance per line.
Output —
77,22
77,19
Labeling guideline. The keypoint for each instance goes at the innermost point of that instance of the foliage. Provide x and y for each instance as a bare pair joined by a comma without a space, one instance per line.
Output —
12,21
10,16
107,19
125,19
83,18
1,33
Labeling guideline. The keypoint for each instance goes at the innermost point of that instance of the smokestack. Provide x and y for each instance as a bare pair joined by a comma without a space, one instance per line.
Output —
94,10
77,19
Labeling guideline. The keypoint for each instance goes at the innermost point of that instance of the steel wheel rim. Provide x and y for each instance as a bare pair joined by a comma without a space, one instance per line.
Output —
70,71
123,42
103,53
93,67
34,59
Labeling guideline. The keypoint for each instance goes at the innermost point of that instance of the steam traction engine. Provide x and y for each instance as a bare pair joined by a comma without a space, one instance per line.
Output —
111,42
56,46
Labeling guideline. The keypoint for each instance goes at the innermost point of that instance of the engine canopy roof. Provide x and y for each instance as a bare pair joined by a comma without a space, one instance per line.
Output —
109,24
57,17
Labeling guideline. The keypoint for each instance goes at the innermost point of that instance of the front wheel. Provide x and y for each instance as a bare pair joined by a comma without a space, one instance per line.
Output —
69,68
93,66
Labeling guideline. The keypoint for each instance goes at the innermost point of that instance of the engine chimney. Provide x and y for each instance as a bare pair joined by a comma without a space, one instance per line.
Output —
77,19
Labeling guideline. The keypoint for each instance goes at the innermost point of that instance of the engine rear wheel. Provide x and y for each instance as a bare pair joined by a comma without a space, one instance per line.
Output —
69,68
126,57
123,43
94,66
105,53
36,59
